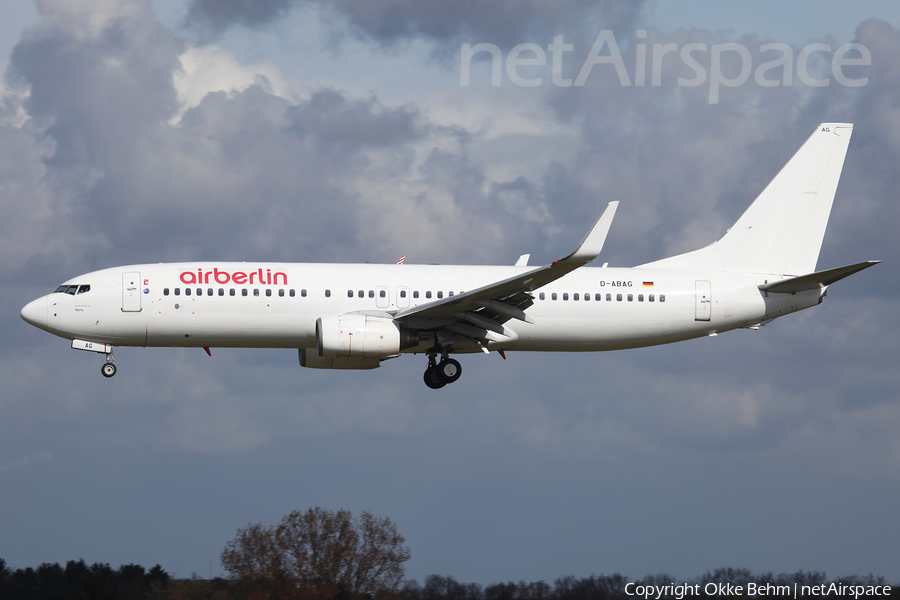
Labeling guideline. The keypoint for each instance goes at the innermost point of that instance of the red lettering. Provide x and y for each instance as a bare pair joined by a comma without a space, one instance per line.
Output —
238,277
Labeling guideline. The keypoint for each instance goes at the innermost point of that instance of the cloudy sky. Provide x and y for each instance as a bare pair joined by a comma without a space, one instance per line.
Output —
334,130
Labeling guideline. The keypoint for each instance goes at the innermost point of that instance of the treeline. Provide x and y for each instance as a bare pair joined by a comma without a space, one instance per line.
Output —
80,581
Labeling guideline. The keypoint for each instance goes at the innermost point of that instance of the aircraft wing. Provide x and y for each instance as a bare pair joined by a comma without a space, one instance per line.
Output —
487,307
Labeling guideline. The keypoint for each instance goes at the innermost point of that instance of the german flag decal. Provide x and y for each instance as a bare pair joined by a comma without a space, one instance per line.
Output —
648,284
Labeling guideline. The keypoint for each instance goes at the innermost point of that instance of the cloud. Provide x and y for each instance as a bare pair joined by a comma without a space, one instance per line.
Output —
445,24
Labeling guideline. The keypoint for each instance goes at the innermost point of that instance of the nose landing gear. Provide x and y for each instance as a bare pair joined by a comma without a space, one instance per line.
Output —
439,374
109,367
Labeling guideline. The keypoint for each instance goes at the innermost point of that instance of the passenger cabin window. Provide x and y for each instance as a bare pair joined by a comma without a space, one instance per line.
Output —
209,292
268,292
640,297
553,296
662,297
221,291
256,292
328,293
542,296
440,294
416,294
303,293
281,293
187,291
403,293
244,292
165,291
650,298
177,291
381,293
361,293
231,292
428,294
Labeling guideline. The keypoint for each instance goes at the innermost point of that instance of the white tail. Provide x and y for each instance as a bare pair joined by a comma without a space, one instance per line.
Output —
781,233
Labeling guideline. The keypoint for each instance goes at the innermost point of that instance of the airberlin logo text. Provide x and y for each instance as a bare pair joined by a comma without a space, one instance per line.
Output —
238,277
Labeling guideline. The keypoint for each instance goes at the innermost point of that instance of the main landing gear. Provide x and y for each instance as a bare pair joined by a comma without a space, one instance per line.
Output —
439,374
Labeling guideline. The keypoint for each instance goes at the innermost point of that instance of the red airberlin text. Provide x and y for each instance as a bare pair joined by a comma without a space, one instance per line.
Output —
238,277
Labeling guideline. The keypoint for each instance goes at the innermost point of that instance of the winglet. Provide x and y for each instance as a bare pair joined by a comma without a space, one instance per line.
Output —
592,243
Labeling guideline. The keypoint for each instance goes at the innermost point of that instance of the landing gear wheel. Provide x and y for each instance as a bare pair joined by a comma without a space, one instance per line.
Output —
432,379
108,369
449,370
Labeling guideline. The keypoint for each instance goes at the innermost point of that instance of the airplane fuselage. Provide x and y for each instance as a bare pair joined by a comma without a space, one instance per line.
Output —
219,305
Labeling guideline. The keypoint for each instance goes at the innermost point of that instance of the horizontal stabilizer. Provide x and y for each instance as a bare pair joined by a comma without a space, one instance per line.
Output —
814,280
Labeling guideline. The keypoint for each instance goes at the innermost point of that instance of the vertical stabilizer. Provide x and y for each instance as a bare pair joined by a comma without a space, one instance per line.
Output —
781,233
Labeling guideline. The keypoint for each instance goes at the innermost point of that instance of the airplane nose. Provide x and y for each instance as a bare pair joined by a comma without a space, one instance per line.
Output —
35,313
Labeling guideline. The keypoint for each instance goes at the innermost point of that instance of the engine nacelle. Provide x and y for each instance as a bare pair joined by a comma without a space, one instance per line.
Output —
354,335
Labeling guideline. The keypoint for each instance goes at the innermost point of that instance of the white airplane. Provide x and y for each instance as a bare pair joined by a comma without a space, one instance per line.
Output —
343,316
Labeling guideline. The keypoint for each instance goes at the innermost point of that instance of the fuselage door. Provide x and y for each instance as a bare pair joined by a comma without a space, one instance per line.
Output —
702,300
402,297
131,292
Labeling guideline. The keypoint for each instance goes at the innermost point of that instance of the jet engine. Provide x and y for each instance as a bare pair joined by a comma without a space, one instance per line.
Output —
355,335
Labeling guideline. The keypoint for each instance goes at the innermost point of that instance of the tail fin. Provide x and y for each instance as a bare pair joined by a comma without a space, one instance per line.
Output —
781,233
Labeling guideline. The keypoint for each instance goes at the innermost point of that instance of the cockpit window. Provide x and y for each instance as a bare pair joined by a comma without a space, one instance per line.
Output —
72,289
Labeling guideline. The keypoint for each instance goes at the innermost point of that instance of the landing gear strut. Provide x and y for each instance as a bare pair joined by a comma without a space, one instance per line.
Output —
439,374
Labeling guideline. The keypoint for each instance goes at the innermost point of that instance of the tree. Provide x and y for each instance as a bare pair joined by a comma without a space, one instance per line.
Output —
318,555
